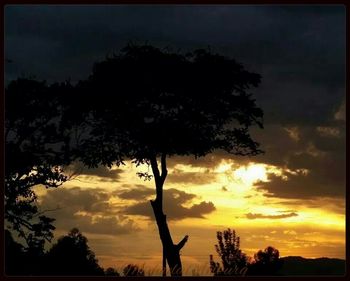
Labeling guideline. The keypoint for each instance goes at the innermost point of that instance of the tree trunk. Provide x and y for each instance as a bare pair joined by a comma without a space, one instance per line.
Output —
170,250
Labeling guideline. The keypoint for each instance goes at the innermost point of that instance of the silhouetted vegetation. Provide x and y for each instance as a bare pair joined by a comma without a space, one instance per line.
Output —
71,255
233,260
133,270
236,263
153,104
34,155
144,104
266,262
110,271
14,256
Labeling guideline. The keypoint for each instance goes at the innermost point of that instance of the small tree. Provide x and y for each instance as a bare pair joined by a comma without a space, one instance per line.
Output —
110,271
233,261
71,255
266,262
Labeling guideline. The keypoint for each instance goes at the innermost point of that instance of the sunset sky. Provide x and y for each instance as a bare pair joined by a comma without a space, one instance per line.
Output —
292,197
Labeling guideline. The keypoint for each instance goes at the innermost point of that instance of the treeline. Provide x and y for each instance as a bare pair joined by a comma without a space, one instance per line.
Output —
71,256
234,262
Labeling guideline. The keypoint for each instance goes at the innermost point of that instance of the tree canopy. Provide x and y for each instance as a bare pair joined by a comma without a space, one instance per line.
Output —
266,262
233,260
137,105
147,102
71,255
34,154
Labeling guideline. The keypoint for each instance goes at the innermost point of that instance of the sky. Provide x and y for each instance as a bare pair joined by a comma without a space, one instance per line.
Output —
292,197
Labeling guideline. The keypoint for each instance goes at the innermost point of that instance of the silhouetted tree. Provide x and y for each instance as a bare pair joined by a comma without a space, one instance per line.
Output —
266,262
233,260
133,270
144,104
147,104
110,271
71,255
21,260
34,155
14,256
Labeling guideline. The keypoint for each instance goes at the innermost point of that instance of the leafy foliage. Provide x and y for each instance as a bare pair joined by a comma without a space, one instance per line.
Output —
138,105
34,155
152,101
266,262
71,255
233,260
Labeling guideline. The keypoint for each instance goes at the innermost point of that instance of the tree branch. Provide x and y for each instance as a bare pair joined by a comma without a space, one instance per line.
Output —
182,243
45,211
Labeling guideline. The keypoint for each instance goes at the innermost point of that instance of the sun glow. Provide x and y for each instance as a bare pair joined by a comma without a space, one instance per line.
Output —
248,175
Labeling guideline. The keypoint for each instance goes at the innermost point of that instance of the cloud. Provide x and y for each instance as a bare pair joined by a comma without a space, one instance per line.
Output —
139,193
87,209
312,148
183,177
328,131
329,204
103,173
341,112
320,181
174,201
302,57
299,51
252,216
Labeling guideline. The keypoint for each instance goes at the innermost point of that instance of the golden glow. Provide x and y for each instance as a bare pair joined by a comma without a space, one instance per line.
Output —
223,167
232,191
250,174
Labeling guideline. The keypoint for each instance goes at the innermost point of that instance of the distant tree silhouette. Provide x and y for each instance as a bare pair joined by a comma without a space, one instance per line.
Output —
71,255
110,271
21,260
34,155
233,261
266,262
147,104
14,256
133,270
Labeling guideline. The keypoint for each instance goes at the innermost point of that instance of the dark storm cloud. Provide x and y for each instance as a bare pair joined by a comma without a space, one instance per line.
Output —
292,47
252,216
320,150
94,201
174,201
304,187
298,49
